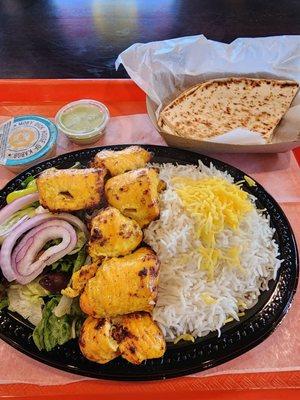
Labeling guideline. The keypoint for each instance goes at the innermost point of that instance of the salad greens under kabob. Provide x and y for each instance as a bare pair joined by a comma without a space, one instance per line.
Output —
40,251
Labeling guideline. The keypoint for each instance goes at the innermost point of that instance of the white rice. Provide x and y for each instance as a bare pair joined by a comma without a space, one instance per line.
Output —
180,307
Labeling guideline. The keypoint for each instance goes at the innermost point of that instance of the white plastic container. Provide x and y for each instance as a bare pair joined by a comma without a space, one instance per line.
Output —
83,121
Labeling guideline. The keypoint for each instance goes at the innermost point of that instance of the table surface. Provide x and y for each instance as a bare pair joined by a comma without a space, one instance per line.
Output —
82,38
45,97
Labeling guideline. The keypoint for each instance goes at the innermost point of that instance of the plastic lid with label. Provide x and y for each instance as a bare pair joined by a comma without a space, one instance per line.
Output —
25,140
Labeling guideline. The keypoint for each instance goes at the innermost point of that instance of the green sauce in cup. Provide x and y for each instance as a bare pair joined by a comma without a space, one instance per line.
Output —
82,118
82,121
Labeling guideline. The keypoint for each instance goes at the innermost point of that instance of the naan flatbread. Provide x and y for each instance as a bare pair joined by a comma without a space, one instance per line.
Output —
221,105
164,127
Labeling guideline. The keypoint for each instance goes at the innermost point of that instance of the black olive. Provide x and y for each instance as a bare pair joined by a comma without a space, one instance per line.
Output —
54,281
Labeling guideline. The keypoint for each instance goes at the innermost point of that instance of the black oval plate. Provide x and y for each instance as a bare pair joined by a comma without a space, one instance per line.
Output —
183,358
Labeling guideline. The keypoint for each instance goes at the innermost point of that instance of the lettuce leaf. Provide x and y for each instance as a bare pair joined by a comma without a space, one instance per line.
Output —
71,262
78,317
65,264
3,303
81,241
27,300
63,307
53,330
3,297
80,259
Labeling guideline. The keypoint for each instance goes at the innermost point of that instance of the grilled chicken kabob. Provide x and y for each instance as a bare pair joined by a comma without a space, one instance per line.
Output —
118,290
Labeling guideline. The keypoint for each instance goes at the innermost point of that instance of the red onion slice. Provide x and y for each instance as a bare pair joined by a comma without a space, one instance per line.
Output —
73,220
8,244
20,252
36,238
10,241
27,268
17,205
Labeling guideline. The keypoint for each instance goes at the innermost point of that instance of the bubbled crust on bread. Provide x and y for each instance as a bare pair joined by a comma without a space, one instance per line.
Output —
221,105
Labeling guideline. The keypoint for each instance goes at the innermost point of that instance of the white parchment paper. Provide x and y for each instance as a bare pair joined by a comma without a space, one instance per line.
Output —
166,68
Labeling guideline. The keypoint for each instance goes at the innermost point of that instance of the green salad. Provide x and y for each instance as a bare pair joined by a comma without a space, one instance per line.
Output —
35,295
